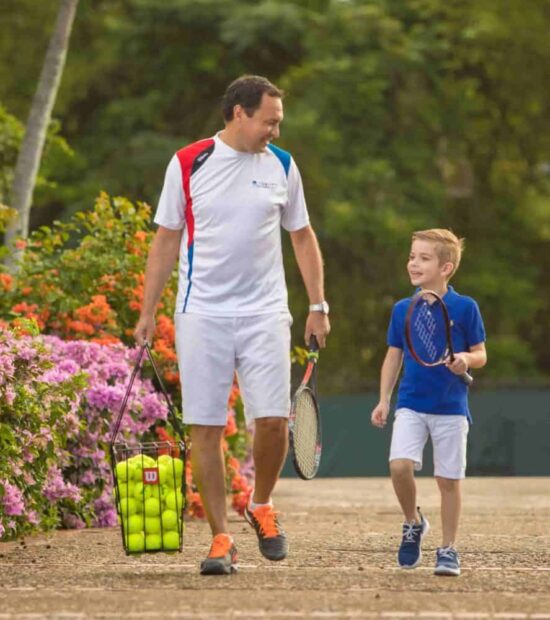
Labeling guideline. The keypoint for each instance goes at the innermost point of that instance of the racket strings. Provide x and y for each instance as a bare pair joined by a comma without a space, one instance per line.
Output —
306,430
428,329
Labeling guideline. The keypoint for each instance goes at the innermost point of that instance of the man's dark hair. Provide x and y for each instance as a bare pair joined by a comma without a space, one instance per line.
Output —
247,91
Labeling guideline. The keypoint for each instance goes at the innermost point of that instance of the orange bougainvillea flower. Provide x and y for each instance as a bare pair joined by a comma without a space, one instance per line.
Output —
80,327
97,312
104,338
165,350
172,377
27,290
240,500
24,308
165,329
21,244
231,426
140,235
6,281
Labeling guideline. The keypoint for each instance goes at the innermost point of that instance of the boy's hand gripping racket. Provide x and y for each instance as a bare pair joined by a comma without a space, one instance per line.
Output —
304,422
428,332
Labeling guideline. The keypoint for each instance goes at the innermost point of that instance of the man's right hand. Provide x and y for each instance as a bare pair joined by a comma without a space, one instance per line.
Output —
379,414
145,329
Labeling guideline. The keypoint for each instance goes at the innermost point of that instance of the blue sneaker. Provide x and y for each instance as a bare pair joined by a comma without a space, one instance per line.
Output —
447,561
410,551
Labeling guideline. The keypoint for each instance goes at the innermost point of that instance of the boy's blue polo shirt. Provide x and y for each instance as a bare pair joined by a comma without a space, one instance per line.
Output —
437,390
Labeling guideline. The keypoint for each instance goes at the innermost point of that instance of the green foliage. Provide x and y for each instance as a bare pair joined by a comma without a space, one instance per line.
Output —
402,114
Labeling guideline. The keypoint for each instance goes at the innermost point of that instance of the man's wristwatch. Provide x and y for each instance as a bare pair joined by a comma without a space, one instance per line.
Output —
322,307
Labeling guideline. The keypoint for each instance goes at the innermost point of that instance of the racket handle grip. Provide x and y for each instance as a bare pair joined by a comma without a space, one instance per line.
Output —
467,378
313,344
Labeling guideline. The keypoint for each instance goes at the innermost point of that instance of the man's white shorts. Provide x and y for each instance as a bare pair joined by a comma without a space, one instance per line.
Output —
211,349
449,435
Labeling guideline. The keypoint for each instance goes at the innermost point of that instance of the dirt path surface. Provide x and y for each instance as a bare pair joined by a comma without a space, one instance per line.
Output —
344,536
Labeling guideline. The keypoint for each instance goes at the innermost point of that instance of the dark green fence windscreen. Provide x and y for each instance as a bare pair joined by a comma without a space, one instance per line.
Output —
510,436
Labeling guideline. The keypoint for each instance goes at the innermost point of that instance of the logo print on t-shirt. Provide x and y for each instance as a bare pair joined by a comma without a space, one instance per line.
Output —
264,184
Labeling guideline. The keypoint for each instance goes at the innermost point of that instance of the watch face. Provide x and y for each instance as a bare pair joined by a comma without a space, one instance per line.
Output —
325,307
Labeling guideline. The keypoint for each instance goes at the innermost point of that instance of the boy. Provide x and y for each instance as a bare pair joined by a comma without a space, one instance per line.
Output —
440,411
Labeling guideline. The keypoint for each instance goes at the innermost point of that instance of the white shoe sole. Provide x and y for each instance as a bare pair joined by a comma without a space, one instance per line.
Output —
444,571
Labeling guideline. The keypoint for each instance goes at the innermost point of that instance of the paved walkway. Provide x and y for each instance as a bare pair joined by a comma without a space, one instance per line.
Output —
344,535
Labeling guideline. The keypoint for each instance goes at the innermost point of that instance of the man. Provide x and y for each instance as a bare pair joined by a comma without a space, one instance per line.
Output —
222,205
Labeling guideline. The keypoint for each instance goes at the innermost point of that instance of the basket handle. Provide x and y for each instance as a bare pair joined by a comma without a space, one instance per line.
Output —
171,412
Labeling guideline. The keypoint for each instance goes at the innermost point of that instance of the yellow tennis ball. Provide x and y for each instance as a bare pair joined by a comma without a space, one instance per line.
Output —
169,520
170,541
152,525
165,459
153,542
152,507
178,468
174,500
128,506
136,542
122,471
134,524
142,491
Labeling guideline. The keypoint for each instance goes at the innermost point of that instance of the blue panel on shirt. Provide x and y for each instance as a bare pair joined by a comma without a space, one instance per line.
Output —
437,390
282,156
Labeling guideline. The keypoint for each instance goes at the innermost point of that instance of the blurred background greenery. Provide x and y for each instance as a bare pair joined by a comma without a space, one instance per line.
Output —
401,114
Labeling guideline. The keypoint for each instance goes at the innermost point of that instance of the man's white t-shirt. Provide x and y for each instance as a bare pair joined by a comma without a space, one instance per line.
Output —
231,206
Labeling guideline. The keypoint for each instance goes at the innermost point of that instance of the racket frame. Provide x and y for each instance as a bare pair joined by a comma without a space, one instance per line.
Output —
450,356
309,384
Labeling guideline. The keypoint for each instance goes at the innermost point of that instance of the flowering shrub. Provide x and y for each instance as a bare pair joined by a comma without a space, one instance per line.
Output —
38,415
83,280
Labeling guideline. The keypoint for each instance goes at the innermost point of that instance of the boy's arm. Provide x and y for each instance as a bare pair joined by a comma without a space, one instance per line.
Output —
388,377
476,357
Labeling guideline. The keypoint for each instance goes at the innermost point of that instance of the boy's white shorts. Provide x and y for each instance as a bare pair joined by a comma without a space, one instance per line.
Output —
449,435
211,349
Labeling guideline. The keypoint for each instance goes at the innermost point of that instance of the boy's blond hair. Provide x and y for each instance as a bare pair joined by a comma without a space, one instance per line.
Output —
448,246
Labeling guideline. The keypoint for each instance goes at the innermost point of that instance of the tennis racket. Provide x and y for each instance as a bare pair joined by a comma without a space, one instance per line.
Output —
428,332
304,422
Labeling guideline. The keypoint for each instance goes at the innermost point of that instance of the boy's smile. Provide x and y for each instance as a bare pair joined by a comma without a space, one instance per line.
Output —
424,267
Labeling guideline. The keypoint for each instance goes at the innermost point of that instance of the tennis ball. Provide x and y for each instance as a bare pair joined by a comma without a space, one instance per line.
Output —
174,500
134,524
122,470
164,472
145,491
148,461
152,507
153,542
152,525
136,542
165,459
126,489
128,506
170,541
178,468
169,520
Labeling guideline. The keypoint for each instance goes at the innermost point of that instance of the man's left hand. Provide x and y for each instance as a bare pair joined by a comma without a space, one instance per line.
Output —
318,325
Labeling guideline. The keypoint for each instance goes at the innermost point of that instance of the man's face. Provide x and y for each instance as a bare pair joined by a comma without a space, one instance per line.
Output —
258,130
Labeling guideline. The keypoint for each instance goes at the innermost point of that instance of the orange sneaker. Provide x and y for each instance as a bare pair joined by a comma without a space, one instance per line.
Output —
271,536
222,558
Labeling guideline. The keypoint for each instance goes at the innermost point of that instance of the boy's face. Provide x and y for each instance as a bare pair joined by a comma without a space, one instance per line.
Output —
424,267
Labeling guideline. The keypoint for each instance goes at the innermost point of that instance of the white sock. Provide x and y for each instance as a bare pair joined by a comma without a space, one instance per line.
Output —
252,505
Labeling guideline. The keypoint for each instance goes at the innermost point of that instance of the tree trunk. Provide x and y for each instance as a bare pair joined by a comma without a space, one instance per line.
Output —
28,160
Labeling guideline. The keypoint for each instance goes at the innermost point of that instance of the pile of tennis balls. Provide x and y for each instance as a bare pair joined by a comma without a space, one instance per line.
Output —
151,514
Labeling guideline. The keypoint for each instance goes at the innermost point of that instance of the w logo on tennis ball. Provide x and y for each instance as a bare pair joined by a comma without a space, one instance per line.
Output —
150,475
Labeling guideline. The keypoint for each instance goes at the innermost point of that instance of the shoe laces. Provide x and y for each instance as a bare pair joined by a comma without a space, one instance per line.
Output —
267,519
221,546
411,531
448,552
